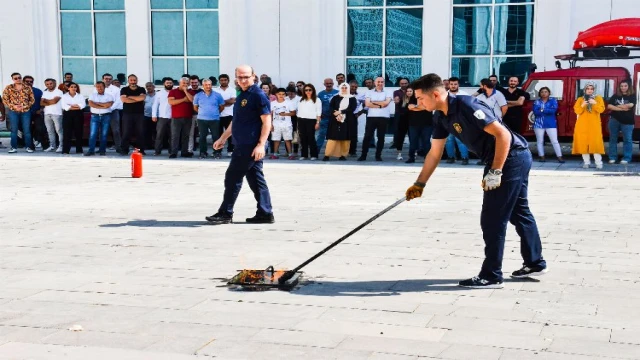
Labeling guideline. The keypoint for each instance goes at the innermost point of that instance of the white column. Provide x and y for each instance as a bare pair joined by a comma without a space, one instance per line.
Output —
138,22
436,37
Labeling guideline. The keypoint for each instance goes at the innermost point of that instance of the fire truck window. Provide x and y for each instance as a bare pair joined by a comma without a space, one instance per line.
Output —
604,87
556,87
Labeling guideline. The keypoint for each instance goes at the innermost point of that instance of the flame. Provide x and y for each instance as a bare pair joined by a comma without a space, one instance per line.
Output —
248,276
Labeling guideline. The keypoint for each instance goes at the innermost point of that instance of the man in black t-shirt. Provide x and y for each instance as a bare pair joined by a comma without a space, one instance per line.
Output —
622,120
515,99
132,98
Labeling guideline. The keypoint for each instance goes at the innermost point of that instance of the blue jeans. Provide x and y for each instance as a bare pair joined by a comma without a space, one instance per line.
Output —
20,119
627,144
419,135
450,146
99,122
322,132
508,204
243,165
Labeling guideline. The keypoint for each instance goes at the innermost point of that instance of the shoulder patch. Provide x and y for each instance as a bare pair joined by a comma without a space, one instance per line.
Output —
479,114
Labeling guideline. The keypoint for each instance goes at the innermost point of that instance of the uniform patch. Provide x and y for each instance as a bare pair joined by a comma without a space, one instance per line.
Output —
458,128
243,103
479,114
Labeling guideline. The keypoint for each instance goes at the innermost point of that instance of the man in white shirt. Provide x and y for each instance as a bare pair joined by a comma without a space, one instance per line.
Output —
493,98
116,109
100,104
378,101
161,115
226,116
51,97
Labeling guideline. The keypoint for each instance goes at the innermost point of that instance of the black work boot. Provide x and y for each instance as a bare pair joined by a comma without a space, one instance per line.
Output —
261,219
220,218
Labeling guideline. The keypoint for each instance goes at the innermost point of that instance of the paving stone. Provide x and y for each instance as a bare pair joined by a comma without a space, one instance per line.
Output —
471,352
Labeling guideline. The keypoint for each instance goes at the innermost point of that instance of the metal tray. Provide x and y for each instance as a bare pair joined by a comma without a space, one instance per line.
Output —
250,279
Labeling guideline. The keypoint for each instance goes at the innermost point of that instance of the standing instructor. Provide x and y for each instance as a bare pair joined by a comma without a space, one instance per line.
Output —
507,157
250,129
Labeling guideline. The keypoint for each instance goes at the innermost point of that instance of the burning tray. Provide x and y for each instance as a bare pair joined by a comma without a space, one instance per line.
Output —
264,279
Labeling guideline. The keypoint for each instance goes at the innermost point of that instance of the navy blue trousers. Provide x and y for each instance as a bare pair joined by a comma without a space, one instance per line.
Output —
243,165
509,203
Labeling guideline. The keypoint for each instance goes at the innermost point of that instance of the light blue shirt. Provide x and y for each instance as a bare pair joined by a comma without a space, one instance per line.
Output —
208,105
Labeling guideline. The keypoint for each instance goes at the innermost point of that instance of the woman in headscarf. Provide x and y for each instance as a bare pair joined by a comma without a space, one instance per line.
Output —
587,134
342,107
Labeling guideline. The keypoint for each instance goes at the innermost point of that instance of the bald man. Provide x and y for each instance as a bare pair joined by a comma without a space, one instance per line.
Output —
325,97
249,129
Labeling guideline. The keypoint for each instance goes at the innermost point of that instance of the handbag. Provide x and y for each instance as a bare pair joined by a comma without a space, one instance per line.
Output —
296,137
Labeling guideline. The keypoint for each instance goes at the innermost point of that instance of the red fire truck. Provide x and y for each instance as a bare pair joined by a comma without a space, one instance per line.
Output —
613,40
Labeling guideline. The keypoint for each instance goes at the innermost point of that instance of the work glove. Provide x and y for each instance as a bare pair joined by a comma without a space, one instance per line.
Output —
415,191
492,180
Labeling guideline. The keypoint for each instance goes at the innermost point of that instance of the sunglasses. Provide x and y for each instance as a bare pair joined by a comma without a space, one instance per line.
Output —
308,90
17,78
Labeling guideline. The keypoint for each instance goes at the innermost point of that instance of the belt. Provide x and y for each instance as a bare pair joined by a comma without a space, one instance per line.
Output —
102,114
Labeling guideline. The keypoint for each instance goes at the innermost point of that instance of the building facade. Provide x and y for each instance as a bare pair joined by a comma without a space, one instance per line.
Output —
294,39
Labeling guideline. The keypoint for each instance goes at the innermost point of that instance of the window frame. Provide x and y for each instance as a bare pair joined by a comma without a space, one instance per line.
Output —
384,7
492,5
94,57
185,57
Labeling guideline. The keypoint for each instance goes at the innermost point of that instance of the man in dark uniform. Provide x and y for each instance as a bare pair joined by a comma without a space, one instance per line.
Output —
250,129
506,155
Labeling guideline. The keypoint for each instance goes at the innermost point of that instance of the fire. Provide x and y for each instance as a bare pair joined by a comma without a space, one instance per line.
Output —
268,276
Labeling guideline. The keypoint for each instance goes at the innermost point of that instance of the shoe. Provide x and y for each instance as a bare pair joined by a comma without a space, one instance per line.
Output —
326,158
465,161
261,219
302,158
561,160
611,161
478,283
59,149
203,156
50,149
342,158
13,150
216,156
586,165
313,159
89,153
187,155
529,271
451,160
29,150
362,158
173,156
220,218
410,161
230,154
291,157
542,159
273,157
599,166
378,158
37,144
399,157
623,162
103,153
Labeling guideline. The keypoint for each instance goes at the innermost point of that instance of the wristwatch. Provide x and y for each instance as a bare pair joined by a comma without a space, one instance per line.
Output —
497,172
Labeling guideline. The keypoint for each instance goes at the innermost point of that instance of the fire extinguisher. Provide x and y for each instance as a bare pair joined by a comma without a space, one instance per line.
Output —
136,164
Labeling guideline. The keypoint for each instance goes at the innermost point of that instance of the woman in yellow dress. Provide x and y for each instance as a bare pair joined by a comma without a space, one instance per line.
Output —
587,134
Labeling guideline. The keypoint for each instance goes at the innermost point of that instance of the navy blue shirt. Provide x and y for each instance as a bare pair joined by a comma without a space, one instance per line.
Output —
247,124
466,120
325,97
37,95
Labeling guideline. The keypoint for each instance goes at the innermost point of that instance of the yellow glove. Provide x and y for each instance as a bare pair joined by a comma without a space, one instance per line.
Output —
415,191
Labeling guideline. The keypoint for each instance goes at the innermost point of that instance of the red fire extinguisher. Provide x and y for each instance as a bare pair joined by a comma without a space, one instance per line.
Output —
136,164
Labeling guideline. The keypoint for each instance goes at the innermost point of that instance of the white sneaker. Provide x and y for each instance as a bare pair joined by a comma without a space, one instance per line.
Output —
230,154
50,149
623,162
29,150
399,157
37,144
302,158
59,149
599,166
586,165
312,159
13,150
612,161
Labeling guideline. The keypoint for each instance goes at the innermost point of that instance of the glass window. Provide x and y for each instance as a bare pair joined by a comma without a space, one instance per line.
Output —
202,33
492,37
364,32
404,32
603,87
93,34
556,87
364,2
167,33
110,33
185,38
75,4
202,4
81,68
404,2
108,4
395,68
74,27
364,68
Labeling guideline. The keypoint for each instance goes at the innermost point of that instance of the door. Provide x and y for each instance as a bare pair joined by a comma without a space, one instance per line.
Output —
605,87
558,89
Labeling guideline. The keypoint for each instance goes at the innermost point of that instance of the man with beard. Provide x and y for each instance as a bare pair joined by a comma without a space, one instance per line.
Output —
515,97
161,114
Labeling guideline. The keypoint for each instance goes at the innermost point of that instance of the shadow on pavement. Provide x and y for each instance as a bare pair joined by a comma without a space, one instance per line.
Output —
156,223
